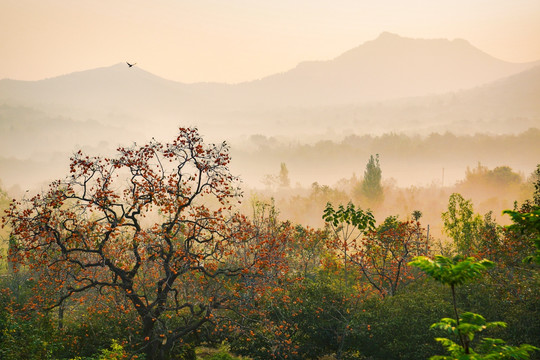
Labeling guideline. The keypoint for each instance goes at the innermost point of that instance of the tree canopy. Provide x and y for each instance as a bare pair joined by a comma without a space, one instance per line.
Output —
134,229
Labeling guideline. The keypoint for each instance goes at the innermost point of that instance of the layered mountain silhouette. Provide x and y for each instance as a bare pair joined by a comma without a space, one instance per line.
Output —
508,105
388,67
390,84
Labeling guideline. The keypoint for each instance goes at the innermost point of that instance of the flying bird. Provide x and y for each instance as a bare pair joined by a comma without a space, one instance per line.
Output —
130,65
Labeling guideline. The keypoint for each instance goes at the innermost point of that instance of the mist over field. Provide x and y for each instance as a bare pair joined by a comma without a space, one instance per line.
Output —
423,105
432,109
269,180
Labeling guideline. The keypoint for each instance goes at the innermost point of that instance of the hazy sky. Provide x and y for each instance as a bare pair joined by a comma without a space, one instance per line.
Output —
238,40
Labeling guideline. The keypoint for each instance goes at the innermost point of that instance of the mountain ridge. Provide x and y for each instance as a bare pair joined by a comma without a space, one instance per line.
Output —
388,67
383,38
44,121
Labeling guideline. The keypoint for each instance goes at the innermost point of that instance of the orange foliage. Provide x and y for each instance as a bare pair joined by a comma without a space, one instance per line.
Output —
150,231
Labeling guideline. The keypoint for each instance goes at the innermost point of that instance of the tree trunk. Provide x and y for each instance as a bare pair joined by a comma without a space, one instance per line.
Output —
61,309
462,339
152,344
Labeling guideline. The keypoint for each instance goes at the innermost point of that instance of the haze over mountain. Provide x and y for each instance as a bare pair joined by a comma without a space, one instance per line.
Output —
508,105
390,84
386,68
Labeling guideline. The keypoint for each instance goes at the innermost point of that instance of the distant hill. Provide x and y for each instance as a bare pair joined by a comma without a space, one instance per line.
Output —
115,88
507,106
518,94
388,67
389,85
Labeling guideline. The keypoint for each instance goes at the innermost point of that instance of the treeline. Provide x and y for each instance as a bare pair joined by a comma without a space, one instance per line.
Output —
410,159
434,145
144,256
492,190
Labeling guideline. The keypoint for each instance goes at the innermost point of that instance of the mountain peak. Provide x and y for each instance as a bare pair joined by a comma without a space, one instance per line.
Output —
388,67
388,35
393,46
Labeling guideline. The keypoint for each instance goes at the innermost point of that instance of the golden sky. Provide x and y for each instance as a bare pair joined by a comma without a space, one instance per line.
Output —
240,40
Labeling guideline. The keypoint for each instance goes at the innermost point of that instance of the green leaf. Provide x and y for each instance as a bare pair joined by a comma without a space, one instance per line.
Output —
454,271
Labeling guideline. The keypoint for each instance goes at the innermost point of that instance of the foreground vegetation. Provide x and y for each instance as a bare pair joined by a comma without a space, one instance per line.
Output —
144,256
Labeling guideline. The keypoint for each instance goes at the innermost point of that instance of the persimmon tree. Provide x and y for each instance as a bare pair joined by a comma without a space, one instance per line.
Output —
378,254
154,226
382,254
259,325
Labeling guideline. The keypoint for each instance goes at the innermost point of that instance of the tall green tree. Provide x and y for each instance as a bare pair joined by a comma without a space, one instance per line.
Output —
528,224
534,179
536,182
527,219
371,186
284,180
462,224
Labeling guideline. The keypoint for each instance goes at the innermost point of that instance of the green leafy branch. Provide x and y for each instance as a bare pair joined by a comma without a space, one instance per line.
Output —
457,271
